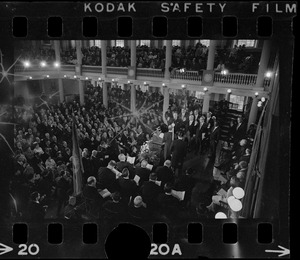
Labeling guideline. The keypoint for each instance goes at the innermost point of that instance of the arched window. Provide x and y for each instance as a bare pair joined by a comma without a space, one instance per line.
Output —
120,43
98,43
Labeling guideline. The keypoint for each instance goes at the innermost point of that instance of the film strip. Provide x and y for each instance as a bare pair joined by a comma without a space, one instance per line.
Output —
252,221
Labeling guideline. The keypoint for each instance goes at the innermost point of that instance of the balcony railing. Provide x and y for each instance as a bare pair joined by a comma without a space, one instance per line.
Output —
231,78
236,78
187,75
156,73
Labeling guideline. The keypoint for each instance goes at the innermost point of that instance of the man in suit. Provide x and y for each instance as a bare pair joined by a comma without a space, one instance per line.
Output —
214,139
142,172
179,151
150,191
107,178
128,187
191,131
36,210
169,205
138,209
209,121
201,133
123,164
95,163
165,173
90,191
167,141
240,131
114,207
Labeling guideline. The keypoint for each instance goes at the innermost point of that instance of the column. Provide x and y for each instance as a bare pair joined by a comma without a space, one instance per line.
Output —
104,72
133,53
166,103
81,91
60,82
205,107
168,61
78,44
263,64
211,55
253,111
132,98
104,91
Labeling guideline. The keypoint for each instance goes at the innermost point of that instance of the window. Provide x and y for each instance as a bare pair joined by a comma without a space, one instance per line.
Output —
176,43
145,42
199,95
237,100
247,43
92,43
164,42
120,43
98,43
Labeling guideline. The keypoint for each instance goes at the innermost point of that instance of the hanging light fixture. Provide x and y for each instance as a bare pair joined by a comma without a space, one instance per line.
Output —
220,215
238,193
235,205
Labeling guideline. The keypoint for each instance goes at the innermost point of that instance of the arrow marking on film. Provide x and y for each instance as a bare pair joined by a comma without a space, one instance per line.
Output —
5,249
283,251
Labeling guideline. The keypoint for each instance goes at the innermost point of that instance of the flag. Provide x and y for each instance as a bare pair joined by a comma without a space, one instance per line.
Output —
76,162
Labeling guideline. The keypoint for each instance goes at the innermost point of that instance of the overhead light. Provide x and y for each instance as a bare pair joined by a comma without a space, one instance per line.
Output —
47,76
229,90
75,76
128,82
183,86
43,64
268,74
99,78
205,89
256,94
30,77
56,64
113,80
26,64
65,76
263,99
86,78
163,84
259,104
145,83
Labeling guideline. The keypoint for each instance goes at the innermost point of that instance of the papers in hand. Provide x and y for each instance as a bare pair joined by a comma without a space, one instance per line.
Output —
118,174
178,194
222,193
136,179
104,193
149,166
158,183
131,160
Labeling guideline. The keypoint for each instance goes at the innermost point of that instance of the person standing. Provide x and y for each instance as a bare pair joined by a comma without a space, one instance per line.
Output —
178,151
214,139
201,133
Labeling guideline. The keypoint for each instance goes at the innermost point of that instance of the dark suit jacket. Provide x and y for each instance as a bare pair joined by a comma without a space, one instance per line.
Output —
150,192
168,204
122,165
143,173
91,193
178,150
164,174
191,128
200,131
107,179
36,212
128,187
240,133
215,135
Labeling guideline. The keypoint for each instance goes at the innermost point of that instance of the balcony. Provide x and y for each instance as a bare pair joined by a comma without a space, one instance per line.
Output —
192,79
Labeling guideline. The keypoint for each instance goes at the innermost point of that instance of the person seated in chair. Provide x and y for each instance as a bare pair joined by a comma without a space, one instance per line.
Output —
91,193
114,206
127,186
138,209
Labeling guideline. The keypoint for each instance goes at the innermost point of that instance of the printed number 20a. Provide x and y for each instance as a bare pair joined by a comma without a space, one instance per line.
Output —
32,249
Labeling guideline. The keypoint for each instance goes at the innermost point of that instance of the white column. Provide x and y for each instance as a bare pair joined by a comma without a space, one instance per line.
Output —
211,55
253,111
166,103
104,72
132,98
168,61
205,107
60,83
263,64
104,91
103,57
133,53
81,91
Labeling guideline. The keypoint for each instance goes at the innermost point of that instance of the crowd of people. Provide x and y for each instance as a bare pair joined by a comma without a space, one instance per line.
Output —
107,136
191,58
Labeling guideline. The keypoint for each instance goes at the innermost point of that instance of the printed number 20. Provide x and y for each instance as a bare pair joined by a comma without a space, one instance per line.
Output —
32,249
